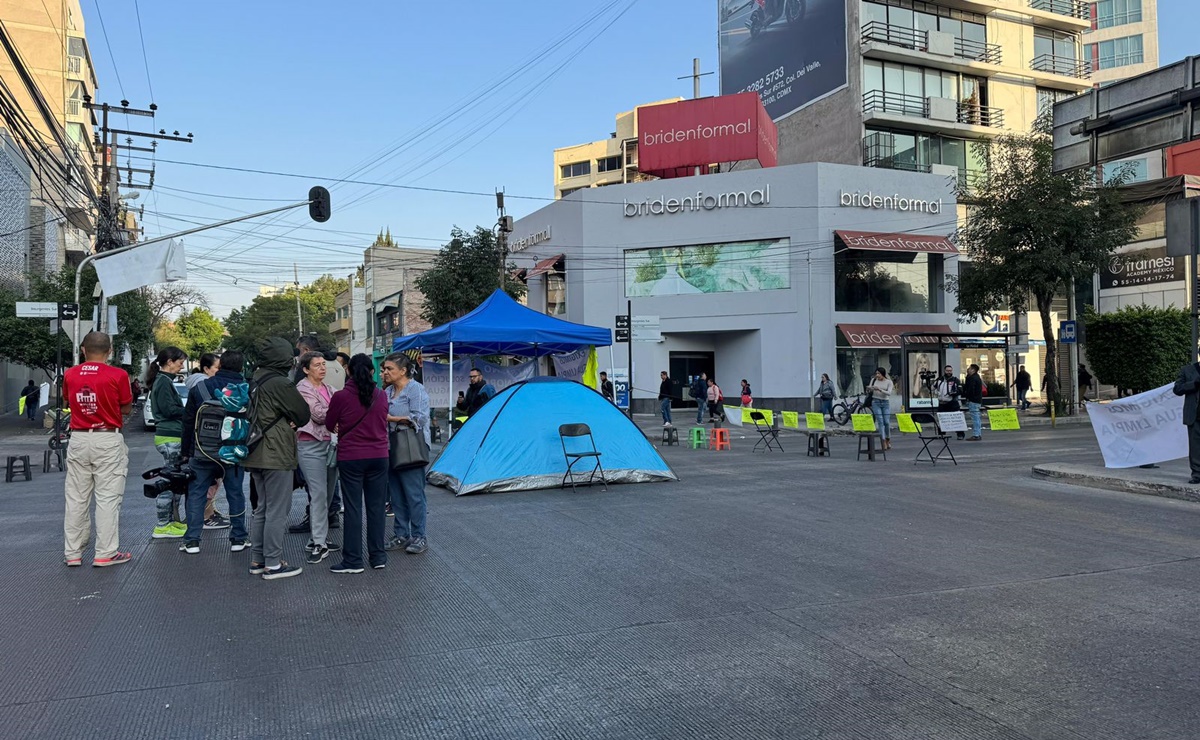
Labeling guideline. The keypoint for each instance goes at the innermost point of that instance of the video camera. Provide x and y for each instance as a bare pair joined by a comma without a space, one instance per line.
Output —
167,478
927,376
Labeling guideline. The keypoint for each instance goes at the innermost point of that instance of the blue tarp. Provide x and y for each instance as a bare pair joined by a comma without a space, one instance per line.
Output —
512,443
501,326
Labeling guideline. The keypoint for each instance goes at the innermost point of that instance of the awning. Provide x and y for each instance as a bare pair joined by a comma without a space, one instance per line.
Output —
896,242
887,336
544,266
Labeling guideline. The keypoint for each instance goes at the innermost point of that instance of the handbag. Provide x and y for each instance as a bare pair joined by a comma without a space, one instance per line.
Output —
407,449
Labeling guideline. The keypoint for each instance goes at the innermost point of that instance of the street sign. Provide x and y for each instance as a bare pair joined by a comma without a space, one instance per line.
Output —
68,311
622,336
28,310
1066,332
622,321
1018,349
646,329
621,391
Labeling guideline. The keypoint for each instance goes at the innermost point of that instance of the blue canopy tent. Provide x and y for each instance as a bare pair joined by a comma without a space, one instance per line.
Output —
512,443
501,326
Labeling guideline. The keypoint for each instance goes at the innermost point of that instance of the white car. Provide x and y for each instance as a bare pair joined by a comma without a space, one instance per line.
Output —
148,417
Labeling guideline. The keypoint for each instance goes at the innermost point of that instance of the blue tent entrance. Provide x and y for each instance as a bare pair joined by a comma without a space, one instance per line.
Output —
512,443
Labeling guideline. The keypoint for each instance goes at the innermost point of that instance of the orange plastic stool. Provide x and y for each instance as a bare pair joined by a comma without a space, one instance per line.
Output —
719,439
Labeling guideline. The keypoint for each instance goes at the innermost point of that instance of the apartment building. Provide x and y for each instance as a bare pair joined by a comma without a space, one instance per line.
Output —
608,161
349,325
391,299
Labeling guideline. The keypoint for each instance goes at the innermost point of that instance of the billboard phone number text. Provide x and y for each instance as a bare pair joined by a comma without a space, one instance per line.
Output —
776,84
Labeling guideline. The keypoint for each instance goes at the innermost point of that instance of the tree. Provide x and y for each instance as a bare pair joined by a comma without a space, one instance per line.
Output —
200,332
275,316
1138,347
168,298
464,274
1029,231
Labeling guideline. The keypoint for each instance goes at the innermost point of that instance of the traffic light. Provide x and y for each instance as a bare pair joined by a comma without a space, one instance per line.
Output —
318,204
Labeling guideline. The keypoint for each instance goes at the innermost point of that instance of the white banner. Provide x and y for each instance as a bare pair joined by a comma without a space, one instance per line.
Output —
571,365
435,376
1140,430
141,266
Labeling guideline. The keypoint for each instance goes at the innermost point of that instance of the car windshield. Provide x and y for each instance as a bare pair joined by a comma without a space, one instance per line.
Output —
182,390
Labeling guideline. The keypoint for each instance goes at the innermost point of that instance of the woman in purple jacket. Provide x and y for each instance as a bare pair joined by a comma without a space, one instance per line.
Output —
358,418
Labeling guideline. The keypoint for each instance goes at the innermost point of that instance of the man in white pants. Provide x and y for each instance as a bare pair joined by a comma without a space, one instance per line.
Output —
97,459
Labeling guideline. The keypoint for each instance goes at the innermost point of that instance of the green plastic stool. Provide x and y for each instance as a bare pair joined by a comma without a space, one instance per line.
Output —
698,437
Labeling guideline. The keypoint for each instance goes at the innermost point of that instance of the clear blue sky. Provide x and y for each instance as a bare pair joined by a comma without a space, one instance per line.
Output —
470,96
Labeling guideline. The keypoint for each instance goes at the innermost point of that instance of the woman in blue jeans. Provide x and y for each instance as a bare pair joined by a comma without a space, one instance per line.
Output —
881,389
408,405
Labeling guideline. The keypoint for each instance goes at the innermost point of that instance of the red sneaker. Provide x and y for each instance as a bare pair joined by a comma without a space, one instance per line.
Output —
121,557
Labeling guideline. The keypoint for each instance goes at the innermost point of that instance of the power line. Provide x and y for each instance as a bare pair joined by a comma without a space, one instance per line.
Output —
145,60
111,57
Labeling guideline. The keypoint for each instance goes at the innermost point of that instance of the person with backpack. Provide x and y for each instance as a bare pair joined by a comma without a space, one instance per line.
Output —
716,401
203,409
313,445
358,416
167,410
825,394
276,410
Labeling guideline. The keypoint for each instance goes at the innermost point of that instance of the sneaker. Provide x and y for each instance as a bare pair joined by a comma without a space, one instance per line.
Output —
303,526
397,543
379,566
180,527
167,532
335,522
343,568
216,521
238,545
257,569
332,546
317,554
387,508
666,424
283,571
308,546
121,557
191,547
72,562
416,546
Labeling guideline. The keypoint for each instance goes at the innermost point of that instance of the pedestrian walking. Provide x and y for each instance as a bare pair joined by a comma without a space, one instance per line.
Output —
99,397
973,393
210,471
716,401
880,390
747,394
699,391
31,393
278,409
947,390
358,416
606,388
664,397
1085,384
1022,383
825,394
167,410
408,405
1188,386
313,443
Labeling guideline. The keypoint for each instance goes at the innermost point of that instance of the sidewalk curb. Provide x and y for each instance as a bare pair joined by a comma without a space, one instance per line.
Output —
1114,482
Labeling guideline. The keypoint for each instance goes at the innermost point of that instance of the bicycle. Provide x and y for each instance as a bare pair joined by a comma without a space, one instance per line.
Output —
60,433
843,410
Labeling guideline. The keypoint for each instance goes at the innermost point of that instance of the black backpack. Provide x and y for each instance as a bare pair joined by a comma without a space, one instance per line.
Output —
223,423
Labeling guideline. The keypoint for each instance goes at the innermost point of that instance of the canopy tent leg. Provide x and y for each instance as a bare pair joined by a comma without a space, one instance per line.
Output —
537,363
450,398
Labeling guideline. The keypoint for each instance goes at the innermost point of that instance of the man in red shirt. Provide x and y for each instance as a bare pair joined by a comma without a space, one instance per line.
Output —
97,458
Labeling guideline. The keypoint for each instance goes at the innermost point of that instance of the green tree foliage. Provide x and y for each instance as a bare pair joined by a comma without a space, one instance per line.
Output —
275,316
200,331
29,342
1029,231
464,274
1138,348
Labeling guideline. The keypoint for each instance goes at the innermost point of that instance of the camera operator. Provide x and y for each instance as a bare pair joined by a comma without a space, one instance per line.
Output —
947,390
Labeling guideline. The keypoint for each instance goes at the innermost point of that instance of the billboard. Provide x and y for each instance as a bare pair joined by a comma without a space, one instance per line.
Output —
1145,267
733,267
790,52
675,137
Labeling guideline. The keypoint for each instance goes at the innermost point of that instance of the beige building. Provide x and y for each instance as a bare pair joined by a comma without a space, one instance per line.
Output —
1123,40
606,162
392,302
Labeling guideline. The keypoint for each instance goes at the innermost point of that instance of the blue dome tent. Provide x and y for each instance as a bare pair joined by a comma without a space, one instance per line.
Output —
512,443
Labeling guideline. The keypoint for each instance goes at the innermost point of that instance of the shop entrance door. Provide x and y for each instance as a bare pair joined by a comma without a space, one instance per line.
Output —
683,367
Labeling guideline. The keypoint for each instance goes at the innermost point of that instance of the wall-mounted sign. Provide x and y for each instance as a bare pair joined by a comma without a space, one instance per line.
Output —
698,202
526,242
675,137
886,201
1145,267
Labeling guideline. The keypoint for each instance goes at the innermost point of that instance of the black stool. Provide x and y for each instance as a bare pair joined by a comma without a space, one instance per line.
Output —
60,460
818,444
670,436
13,470
871,449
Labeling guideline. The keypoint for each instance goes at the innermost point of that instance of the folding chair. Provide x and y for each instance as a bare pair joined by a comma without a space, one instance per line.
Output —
767,434
929,421
577,432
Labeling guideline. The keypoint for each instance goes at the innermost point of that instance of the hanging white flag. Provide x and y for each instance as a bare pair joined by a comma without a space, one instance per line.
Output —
141,266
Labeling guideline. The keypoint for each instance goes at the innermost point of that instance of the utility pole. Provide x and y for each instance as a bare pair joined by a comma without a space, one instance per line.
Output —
299,315
695,76
504,227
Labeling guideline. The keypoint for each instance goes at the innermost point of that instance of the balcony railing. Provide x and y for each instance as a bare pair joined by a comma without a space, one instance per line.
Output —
74,65
1070,8
878,101
74,107
969,180
980,115
907,38
1066,66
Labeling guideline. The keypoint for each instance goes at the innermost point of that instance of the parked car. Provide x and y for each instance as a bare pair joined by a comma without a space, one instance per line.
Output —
147,416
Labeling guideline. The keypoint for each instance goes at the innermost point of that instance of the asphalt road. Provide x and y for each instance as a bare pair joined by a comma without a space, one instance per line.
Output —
811,55
762,596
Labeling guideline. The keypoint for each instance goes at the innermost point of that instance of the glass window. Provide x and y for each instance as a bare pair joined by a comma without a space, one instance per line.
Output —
913,82
1111,13
952,26
1120,52
974,32
893,78
556,294
856,365
1138,166
608,164
734,267
75,47
906,152
576,169
954,152
927,22
872,76
885,283
873,13
902,17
